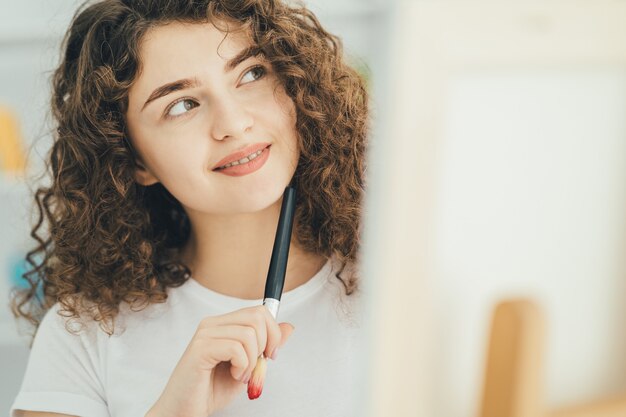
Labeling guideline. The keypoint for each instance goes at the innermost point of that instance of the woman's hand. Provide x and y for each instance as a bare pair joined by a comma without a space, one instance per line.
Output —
218,362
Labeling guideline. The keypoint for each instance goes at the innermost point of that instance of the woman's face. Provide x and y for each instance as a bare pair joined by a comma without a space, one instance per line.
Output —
194,104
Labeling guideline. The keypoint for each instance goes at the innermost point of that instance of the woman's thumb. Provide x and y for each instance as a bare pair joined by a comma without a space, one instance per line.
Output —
286,330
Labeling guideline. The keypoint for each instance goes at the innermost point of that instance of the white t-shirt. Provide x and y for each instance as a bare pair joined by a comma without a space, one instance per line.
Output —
94,375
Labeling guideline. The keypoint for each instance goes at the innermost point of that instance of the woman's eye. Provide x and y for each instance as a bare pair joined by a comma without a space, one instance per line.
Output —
181,107
253,74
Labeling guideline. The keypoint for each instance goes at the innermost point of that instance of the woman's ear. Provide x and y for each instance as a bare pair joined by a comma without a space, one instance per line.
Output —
143,175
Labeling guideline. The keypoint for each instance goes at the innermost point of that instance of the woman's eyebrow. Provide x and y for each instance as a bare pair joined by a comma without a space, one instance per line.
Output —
246,53
174,86
171,88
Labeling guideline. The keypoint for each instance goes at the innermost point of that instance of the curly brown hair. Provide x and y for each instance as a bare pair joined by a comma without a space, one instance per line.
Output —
110,240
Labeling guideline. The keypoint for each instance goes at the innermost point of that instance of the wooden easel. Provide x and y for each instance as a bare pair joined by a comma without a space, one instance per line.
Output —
513,383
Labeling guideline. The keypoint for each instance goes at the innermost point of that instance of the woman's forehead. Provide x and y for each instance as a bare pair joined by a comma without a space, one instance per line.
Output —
177,40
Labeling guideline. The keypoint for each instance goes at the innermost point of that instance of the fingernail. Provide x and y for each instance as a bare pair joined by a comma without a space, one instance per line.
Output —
247,378
274,354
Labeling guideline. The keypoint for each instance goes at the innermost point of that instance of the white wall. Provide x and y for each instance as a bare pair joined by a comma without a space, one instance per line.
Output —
532,202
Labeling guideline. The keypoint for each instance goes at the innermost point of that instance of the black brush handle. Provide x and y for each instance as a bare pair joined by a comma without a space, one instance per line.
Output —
278,264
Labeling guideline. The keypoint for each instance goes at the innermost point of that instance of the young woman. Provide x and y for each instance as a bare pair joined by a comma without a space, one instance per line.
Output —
179,125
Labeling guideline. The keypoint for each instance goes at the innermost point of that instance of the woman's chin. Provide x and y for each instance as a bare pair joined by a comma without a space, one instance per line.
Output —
249,197
259,204
252,202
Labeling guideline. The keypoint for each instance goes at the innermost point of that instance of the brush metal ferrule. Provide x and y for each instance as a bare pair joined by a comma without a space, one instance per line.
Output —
272,305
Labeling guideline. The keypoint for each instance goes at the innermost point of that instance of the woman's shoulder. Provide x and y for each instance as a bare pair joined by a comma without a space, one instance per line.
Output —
85,319
346,287
59,329
59,316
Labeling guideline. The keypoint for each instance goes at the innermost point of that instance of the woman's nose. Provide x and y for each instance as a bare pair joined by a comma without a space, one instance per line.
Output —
229,119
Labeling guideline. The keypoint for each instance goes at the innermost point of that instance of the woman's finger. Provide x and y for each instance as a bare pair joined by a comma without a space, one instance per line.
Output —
245,335
268,333
228,350
286,330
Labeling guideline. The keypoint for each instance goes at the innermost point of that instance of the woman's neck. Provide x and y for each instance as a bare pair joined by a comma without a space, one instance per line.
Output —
230,254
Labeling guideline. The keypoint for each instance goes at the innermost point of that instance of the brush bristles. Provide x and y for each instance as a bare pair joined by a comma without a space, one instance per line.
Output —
255,385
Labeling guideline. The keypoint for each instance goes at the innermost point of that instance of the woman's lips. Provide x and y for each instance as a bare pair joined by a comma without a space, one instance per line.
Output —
248,167
241,153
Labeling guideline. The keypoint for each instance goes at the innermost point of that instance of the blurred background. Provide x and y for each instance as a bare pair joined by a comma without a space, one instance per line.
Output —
499,126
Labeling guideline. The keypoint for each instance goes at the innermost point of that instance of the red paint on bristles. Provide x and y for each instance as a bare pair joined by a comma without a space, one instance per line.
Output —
255,385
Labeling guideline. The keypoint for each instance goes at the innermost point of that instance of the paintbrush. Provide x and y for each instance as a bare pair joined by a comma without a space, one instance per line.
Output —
275,280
